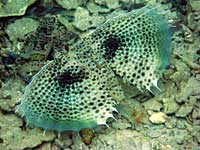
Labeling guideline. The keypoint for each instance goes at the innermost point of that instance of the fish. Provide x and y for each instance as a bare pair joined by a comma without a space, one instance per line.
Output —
80,89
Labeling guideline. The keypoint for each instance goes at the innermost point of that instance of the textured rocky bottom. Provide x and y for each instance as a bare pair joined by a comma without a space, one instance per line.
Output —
168,120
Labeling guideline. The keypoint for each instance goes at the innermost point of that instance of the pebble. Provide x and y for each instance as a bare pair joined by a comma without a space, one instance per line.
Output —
93,8
6,95
196,113
191,21
119,124
64,141
171,123
184,110
101,2
166,147
45,146
156,131
82,19
180,136
87,135
14,7
191,87
170,106
195,5
125,1
180,139
198,139
188,34
14,138
21,27
70,4
152,104
158,117
96,20
112,4
181,124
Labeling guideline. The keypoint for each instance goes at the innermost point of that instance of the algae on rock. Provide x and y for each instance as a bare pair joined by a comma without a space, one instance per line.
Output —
83,20
94,8
21,27
10,94
14,137
71,4
14,7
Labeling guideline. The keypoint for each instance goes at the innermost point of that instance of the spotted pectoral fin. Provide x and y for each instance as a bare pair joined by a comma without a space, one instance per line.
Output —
69,95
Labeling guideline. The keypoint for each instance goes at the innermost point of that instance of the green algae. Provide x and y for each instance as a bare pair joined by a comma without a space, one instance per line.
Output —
21,27
14,7
14,137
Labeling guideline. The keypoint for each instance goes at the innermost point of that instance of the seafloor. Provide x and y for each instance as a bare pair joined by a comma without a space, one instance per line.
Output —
34,32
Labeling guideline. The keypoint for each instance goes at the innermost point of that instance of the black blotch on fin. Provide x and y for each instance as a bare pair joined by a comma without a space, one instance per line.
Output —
111,44
70,76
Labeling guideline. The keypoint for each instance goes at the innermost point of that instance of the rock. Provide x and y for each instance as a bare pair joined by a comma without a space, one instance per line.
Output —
101,129
188,34
96,20
191,20
155,133
71,4
166,147
94,8
63,20
195,4
180,139
82,19
195,132
133,111
21,27
180,136
181,124
158,117
170,106
78,144
184,110
152,104
14,137
10,94
143,1
14,7
182,73
87,135
193,100
112,4
101,2
45,146
171,123
111,15
191,87
64,141
125,1
122,139
119,124
196,113
197,20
